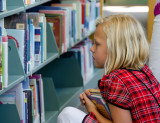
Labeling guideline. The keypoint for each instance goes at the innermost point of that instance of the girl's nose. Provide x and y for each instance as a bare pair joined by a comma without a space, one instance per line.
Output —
92,49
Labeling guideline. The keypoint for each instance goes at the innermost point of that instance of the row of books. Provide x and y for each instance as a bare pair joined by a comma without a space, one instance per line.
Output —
82,53
3,58
72,20
28,30
2,5
29,99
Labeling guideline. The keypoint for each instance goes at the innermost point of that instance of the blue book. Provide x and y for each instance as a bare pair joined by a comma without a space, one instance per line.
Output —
36,9
1,5
25,84
37,55
74,26
42,36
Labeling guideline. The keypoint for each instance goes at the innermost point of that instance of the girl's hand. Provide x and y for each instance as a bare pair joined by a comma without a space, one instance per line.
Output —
87,92
90,106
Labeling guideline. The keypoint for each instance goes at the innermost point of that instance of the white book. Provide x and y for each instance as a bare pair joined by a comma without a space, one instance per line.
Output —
4,61
42,101
79,16
42,18
32,82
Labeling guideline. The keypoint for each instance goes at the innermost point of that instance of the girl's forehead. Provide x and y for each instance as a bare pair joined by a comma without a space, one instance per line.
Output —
99,33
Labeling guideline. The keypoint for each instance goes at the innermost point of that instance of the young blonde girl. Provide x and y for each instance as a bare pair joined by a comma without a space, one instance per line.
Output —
128,86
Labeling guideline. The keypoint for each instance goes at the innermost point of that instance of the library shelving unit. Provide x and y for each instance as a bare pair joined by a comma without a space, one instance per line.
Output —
62,78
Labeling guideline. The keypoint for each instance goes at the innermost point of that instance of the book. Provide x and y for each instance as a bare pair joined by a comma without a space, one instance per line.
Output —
42,21
0,56
37,55
4,61
57,27
78,17
73,18
100,103
63,20
31,41
2,5
36,9
20,21
33,86
39,83
29,105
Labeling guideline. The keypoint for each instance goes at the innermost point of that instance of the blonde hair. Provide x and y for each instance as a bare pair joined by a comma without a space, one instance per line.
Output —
127,46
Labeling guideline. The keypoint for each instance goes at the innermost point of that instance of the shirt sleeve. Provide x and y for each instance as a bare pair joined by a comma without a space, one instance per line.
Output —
114,91
90,118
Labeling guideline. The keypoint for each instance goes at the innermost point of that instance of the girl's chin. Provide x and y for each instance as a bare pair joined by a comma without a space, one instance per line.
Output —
98,66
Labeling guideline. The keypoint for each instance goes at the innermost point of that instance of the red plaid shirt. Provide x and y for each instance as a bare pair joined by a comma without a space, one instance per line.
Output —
134,90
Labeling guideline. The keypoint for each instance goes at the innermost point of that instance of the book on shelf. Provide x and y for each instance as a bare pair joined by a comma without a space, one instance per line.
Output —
52,13
33,86
69,11
35,17
1,58
82,54
28,2
20,21
40,97
79,16
4,61
42,24
2,5
72,10
37,8
31,34
100,103
37,55
57,28
29,106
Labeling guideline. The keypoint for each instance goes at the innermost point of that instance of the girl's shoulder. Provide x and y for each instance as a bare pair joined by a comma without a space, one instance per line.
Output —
124,74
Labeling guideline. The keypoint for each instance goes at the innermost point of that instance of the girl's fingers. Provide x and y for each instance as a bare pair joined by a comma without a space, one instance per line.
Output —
82,99
88,91
85,97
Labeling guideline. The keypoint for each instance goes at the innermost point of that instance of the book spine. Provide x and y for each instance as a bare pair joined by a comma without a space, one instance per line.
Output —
37,57
42,51
1,60
4,61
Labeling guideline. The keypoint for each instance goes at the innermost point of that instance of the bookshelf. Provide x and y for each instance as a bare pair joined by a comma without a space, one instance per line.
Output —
60,88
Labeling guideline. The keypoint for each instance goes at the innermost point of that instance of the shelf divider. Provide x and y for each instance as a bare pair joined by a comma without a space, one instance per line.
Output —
51,41
9,113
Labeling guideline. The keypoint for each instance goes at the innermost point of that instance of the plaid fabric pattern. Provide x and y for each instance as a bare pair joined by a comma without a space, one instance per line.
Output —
121,88
90,118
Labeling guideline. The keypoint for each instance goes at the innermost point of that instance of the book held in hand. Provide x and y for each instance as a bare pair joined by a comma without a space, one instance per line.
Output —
100,103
